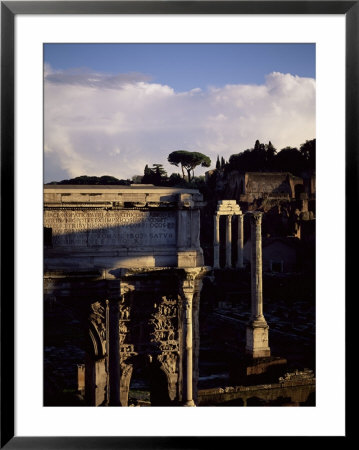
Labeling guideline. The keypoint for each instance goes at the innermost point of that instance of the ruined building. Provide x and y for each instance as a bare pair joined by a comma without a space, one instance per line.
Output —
287,201
254,185
126,261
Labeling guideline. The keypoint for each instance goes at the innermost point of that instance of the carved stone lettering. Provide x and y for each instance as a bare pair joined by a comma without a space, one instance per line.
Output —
121,228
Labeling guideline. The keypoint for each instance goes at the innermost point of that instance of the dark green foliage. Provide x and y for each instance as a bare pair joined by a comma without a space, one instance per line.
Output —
147,170
86,180
265,158
289,159
155,175
175,180
218,164
137,179
188,160
308,152
258,147
159,169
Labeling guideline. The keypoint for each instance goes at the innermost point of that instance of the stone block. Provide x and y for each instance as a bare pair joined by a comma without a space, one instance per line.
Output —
52,198
81,378
100,382
257,342
190,258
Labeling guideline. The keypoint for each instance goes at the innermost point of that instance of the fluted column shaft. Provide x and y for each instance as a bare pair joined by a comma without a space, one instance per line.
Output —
188,298
114,352
257,329
229,241
216,242
256,266
240,242
108,349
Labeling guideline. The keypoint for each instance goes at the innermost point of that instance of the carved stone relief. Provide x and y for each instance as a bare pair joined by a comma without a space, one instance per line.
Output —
164,324
97,317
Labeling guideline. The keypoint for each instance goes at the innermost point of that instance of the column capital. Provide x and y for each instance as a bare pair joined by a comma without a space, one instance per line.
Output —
188,298
256,218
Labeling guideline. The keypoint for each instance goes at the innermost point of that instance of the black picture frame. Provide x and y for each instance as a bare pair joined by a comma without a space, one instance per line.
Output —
9,9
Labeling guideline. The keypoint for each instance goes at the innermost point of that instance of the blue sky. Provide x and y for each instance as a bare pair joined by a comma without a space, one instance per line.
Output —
112,108
188,66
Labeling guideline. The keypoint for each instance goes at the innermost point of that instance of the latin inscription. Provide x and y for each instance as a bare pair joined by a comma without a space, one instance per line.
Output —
126,228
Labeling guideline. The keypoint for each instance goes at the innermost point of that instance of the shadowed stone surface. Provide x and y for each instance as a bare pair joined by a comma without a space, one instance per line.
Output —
127,262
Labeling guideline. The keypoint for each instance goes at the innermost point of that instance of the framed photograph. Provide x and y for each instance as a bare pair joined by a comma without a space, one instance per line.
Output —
105,255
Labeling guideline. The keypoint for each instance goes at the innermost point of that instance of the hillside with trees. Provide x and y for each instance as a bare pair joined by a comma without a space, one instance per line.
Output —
261,158
84,179
265,158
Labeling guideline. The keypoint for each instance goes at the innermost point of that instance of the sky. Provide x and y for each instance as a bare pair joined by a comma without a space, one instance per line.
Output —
110,109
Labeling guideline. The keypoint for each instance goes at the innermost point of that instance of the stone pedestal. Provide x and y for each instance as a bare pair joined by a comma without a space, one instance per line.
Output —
257,329
257,340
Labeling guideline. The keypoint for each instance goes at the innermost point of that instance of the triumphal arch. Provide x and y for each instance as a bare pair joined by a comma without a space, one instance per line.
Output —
128,260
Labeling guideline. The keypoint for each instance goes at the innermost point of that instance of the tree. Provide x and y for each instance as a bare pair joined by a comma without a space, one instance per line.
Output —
271,151
270,155
308,152
91,180
159,169
188,160
289,159
258,147
147,175
136,179
176,180
223,162
218,164
155,175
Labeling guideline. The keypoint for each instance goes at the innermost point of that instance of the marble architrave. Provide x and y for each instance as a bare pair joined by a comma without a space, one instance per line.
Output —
229,209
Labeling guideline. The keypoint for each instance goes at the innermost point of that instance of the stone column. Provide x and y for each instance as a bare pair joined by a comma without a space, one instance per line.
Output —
240,242
257,329
114,352
107,322
229,241
188,290
195,340
189,347
216,242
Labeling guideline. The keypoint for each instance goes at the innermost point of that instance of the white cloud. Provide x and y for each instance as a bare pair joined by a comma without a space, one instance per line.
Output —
99,124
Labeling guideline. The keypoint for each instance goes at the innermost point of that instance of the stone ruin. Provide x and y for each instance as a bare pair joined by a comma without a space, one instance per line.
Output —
257,330
127,261
229,209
